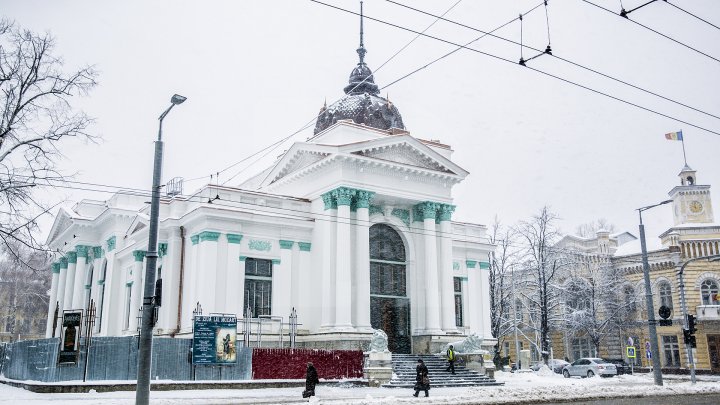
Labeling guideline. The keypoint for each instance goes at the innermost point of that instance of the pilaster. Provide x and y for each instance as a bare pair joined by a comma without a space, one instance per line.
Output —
235,285
361,273
80,276
62,281
282,280
432,300
136,290
343,270
53,298
70,281
445,268
328,232
207,270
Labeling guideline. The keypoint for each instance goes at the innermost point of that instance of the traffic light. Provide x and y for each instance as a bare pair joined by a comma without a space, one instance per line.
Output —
691,324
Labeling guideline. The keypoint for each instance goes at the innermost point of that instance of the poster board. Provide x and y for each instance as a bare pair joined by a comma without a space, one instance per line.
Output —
214,340
70,337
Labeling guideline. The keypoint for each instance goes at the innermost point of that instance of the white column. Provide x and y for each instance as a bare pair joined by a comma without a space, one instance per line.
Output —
329,230
474,292
62,280
190,298
70,280
136,290
432,300
80,277
303,280
234,289
282,280
170,253
97,254
207,270
484,301
361,303
445,272
53,298
343,274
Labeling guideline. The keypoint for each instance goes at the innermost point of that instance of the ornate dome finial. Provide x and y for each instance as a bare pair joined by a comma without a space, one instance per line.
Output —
361,78
361,50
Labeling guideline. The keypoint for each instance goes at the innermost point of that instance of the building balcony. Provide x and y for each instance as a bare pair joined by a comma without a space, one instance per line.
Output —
708,313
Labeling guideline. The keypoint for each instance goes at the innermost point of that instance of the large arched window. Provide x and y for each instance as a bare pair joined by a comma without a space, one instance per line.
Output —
665,293
709,293
629,299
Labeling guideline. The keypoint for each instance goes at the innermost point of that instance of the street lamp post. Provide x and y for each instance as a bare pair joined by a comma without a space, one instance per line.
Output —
648,299
142,393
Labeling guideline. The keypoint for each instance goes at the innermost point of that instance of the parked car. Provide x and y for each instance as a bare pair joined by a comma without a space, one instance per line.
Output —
590,367
621,366
555,365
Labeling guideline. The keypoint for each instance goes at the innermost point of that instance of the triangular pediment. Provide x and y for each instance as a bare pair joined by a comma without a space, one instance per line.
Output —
404,154
139,223
300,160
63,220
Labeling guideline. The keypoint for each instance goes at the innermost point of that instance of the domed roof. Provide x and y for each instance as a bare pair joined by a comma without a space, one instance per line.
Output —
362,102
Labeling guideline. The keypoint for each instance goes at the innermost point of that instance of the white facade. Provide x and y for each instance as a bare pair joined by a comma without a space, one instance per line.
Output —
310,215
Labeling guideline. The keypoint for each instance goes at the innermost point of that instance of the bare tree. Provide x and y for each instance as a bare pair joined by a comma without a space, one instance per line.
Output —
500,292
540,265
23,290
36,117
589,229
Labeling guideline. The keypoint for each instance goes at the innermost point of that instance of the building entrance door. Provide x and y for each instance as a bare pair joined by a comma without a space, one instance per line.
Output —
389,302
714,351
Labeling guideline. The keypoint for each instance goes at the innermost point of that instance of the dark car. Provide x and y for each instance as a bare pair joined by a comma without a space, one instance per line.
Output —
621,366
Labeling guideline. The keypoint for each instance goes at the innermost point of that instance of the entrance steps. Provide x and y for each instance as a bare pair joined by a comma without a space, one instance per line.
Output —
404,372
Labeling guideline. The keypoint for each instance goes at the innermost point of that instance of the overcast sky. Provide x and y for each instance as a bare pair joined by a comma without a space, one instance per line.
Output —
255,72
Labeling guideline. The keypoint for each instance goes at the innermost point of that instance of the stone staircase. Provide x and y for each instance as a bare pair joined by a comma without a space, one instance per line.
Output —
404,372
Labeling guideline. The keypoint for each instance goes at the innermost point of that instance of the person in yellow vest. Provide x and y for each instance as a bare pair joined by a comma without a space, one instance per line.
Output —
451,359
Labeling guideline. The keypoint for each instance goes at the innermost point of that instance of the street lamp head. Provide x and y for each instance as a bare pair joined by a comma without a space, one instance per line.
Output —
178,99
664,202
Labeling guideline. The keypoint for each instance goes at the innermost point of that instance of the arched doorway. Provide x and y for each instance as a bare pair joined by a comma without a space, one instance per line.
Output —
389,302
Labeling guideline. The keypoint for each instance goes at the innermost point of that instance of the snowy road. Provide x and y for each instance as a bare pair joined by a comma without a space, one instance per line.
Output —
543,387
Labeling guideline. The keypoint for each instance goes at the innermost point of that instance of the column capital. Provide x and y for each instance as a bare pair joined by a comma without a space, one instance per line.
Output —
470,263
63,263
162,249
56,267
195,239
71,257
426,210
304,246
97,252
363,198
286,244
446,211
209,236
344,195
139,255
234,238
484,265
82,251
329,200
243,258
111,243
276,261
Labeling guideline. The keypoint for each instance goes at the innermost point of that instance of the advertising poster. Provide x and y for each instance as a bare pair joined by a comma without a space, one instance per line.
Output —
70,337
214,340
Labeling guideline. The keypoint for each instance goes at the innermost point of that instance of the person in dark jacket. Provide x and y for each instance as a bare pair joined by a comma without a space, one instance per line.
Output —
422,379
311,378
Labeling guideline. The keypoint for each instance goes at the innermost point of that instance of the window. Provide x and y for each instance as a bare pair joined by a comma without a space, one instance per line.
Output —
582,347
457,282
258,286
128,297
629,299
665,295
709,292
671,350
387,262
101,298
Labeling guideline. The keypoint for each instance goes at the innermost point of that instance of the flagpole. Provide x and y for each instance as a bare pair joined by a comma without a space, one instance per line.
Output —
682,139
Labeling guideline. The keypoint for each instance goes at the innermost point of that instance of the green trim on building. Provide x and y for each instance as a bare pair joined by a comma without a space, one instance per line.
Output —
276,261
402,214
100,282
82,250
261,245
162,249
329,201
426,210
445,212
375,209
470,264
243,258
63,263
129,283
362,198
209,236
139,255
97,252
87,286
456,266
56,267
344,195
234,238
111,243
484,265
195,239
304,246
286,244
71,257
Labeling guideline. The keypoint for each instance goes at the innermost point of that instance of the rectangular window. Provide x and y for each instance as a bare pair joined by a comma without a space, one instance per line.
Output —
671,351
457,283
582,347
128,297
258,286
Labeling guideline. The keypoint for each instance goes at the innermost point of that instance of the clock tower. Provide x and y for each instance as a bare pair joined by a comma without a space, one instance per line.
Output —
691,202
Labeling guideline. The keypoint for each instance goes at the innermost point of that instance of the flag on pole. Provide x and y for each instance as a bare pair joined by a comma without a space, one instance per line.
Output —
674,136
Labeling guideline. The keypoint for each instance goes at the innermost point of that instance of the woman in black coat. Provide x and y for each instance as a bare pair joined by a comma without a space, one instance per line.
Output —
422,379
311,378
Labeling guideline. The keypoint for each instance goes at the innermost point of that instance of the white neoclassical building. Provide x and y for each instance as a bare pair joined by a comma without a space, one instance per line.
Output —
352,228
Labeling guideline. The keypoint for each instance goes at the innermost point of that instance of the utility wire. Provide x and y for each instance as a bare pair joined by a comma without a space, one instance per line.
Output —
653,30
527,67
689,13
562,59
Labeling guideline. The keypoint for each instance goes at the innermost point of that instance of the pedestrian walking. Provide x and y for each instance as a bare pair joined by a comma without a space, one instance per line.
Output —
311,379
451,359
422,379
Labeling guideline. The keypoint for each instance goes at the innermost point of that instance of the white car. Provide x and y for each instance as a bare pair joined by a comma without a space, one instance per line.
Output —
590,367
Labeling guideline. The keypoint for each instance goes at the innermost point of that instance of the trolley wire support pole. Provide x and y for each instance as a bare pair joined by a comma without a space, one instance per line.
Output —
624,13
142,393
654,349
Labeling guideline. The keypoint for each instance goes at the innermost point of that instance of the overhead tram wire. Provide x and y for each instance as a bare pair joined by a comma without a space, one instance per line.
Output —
589,69
529,67
311,121
693,15
653,30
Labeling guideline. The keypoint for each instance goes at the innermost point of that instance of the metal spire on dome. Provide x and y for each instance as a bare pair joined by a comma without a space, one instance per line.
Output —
361,50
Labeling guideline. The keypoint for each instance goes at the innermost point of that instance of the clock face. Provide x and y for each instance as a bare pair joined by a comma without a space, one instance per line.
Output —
695,206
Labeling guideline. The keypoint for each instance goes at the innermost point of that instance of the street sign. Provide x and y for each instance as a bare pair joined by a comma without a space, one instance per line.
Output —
647,345
648,354
631,342
630,352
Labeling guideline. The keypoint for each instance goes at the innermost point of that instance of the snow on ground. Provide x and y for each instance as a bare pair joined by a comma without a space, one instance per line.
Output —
529,387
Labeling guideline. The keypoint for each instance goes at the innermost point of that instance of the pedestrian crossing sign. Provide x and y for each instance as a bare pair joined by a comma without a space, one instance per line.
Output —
630,352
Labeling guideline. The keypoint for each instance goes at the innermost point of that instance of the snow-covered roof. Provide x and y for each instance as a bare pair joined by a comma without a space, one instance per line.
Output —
633,247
